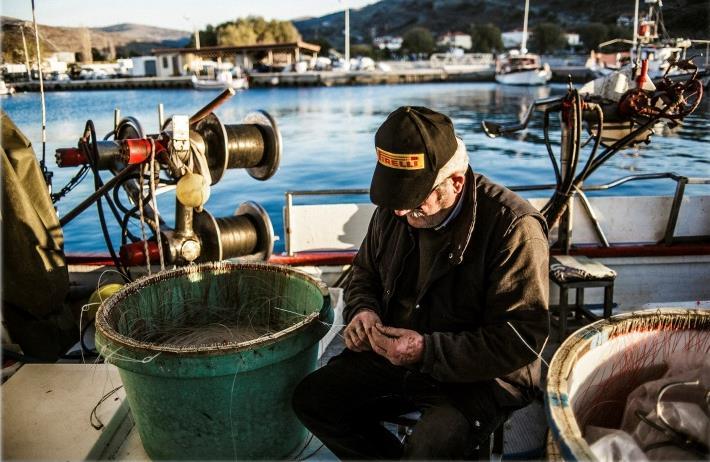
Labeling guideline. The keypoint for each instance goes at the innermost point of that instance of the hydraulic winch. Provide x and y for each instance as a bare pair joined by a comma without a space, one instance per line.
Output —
190,155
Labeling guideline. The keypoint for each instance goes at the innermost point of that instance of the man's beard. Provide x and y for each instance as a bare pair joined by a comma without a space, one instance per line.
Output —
418,219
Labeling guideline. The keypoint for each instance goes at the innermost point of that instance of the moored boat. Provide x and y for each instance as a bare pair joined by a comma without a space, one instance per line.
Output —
653,43
519,67
223,80
5,89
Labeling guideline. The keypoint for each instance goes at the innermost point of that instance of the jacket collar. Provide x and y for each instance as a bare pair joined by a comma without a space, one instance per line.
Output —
463,224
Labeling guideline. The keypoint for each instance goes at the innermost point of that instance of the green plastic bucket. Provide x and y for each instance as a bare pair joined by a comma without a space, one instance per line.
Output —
209,356
596,368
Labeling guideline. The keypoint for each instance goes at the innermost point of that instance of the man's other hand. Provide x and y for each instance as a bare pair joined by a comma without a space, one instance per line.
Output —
357,333
400,346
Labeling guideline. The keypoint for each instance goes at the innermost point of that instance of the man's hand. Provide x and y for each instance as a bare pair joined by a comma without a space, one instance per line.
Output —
357,333
400,346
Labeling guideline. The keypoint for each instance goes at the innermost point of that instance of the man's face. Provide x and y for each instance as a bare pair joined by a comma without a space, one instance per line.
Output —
436,207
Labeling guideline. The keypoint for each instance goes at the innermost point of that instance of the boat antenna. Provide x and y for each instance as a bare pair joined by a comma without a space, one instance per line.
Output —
43,164
524,43
634,50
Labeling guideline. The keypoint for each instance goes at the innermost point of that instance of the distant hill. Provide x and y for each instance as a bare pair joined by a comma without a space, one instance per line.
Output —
120,40
685,18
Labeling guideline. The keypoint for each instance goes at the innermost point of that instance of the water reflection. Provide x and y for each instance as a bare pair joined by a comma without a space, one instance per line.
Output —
328,139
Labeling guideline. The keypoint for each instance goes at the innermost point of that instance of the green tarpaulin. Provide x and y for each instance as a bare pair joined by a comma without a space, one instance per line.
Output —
35,278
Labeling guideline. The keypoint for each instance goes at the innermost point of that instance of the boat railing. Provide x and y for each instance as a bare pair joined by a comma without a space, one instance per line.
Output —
681,183
668,235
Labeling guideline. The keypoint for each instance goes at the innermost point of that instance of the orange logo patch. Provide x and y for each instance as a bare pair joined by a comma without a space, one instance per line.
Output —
400,161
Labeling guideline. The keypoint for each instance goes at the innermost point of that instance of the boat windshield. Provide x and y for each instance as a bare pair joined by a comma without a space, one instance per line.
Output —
523,62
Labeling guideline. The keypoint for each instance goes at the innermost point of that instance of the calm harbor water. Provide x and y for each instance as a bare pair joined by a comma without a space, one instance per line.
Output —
328,141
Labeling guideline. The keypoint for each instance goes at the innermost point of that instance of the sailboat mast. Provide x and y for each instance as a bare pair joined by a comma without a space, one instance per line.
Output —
524,43
636,24
347,35
27,56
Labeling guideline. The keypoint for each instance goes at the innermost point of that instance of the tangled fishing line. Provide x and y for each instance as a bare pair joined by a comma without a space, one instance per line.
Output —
222,316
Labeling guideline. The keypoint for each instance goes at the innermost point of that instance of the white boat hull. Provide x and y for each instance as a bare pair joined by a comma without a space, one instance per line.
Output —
237,84
530,78
5,90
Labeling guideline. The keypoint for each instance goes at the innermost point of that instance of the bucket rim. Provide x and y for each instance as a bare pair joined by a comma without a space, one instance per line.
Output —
104,328
560,415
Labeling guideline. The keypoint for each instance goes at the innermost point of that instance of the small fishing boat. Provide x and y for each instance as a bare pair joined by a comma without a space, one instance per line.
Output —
519,67
652,42
223,80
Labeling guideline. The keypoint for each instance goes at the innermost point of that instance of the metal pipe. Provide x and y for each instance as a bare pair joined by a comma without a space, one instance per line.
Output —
183,219
212,105
116,120
522,188
96,194
593,217
328,192
493,129
287,221
161,116
675,211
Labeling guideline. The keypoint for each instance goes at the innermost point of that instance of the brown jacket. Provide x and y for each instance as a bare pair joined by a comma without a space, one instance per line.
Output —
493,271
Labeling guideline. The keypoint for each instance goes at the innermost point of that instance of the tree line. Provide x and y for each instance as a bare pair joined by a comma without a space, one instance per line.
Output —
251,30
546,37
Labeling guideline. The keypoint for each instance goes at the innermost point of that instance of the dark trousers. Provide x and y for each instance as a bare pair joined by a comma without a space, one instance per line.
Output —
345,402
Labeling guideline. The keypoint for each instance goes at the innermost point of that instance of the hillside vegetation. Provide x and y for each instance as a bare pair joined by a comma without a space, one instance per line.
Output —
120,40
683,18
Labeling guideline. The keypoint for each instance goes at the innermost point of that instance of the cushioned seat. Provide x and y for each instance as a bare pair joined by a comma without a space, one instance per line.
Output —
579,272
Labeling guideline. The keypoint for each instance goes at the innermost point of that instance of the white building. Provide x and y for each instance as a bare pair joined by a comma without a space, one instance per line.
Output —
455,40
52,64
572,39
64,56
144,66
169,64
387,42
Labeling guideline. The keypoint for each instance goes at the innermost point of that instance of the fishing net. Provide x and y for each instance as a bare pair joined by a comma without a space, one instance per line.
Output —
611,376
209,307
636,351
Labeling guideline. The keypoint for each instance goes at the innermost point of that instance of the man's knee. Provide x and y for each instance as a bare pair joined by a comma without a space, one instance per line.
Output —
444,433
304,401
319,396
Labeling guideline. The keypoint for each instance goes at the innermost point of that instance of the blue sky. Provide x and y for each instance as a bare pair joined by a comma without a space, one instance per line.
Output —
172,14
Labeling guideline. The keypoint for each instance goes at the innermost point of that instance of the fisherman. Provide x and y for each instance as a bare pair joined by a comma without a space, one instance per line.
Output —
446,308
